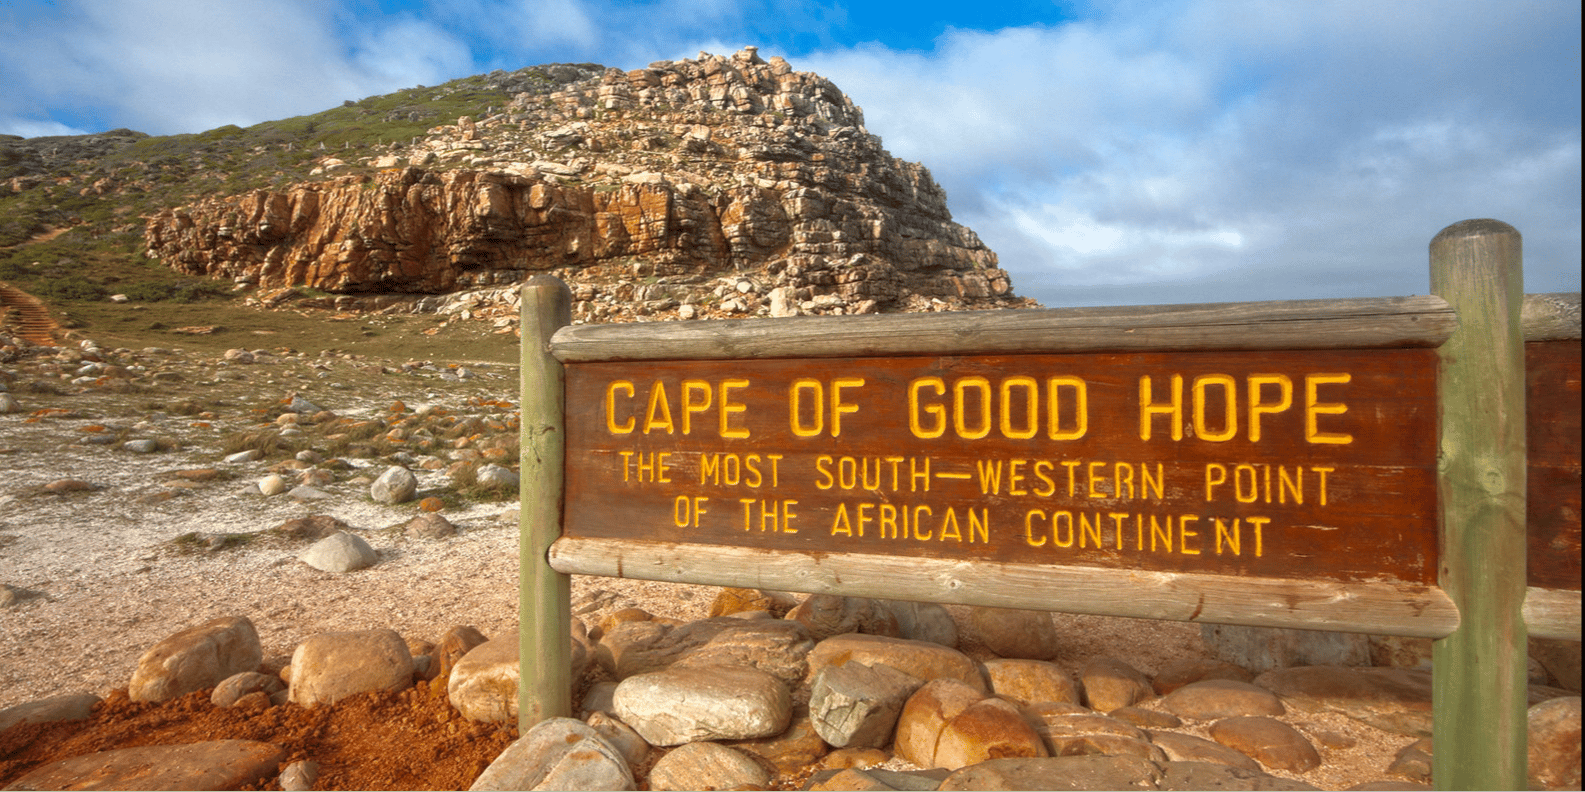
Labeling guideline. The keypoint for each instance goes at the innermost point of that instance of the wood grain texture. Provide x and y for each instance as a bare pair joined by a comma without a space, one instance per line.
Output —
1552,480
544,595
1549,613
1420,321
1479,672
1264,602
878,483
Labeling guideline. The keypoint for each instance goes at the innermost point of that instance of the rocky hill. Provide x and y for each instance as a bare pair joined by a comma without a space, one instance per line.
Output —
718,186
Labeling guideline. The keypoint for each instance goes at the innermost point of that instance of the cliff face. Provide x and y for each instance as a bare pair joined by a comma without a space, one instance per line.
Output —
660,185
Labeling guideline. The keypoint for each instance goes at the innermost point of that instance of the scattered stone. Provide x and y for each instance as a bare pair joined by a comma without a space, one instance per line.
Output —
1269,741
680,705
429,526
196,658
396,485
240,457
69,707
9,404
1031,681
302,406
557,753
330,666
1221,698
340,552
431,504
236,686
220,764
707,765
144,446
1110,683
1079,733
312,528
272,484
1016,633
62,486
495,477
730,600
304,492
1554,735
857,705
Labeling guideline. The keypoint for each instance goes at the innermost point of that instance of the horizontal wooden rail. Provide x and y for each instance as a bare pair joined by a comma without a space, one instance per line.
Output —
1551,317
1366,606
1421,321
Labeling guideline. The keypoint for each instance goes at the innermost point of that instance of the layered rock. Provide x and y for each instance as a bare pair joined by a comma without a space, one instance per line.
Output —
639,185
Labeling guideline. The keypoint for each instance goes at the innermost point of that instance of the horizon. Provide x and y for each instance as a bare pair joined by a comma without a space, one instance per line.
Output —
1110,153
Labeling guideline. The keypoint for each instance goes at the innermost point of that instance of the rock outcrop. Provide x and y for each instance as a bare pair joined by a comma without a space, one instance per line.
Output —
637,187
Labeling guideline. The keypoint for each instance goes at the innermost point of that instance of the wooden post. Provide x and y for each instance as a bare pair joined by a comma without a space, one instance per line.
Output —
544,687
1479,672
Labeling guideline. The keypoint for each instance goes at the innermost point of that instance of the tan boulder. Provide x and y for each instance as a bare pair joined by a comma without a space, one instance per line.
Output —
1009,632
328,667
679,705
1554,744
1269,741
1110,684
220,764
1031,681
923,659
483,683
949,724
196,658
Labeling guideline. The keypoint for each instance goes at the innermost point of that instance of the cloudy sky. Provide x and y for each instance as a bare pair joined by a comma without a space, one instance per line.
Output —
1110,152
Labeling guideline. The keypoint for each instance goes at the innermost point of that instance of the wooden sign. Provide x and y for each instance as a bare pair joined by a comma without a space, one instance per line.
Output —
1552,432
1316,464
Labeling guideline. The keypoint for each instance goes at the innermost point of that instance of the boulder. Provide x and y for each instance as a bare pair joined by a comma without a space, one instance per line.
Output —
949,724
776,646
329,666
458,641
483,682
924,621
1188,748
857,705
196,658
1554,744
707,765
1221,698
1031,681
1008,632
679,705
1110,683
632,747
1392,699
1206,775
922,659
826,615
1262,649
557,753
1082,733
220,764
68,707
795,748
340,552
236,686
1196,669
429,526
1269,741
396,485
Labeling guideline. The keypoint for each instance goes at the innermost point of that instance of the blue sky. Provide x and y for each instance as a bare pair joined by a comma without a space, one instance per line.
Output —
1110,152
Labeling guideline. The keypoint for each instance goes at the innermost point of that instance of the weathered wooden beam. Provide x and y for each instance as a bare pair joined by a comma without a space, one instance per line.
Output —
1479,672
1371,607
1421,321
1551,317
1551,613
544,687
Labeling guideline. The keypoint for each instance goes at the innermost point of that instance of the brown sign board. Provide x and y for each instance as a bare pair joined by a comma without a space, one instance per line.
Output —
1552,440
1316,464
